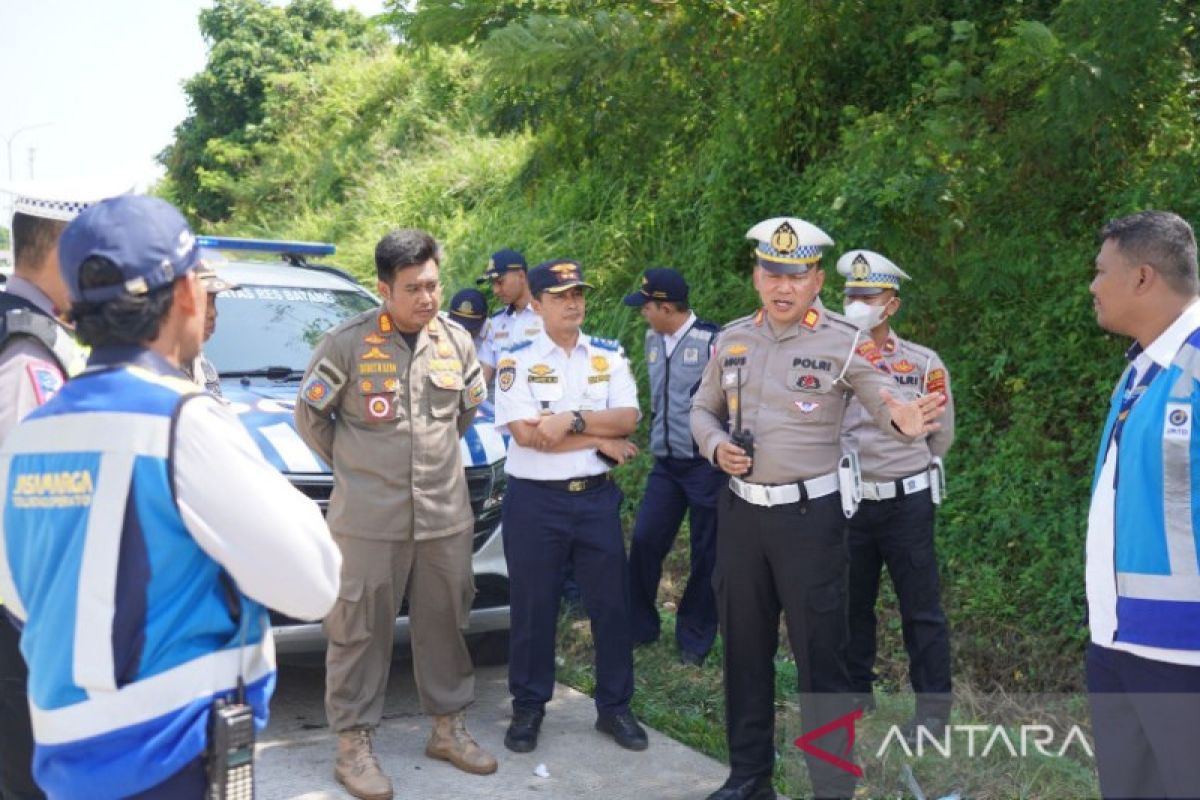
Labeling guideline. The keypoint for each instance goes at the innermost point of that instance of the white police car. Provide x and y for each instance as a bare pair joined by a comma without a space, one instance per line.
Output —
266,331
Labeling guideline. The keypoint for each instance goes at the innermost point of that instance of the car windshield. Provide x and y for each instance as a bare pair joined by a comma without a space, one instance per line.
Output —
273,329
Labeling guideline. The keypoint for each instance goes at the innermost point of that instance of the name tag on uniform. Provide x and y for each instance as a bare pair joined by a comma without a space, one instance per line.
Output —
691,355
1179,421
598,378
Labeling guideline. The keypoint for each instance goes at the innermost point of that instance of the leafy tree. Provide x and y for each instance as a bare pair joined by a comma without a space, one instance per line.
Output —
250,42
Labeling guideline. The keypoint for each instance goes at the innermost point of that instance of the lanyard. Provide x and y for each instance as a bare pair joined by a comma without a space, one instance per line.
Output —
1131,396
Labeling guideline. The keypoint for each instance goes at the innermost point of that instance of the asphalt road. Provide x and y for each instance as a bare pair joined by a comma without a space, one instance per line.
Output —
296,752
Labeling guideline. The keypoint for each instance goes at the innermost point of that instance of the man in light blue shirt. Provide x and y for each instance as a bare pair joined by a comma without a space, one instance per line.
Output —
1143,576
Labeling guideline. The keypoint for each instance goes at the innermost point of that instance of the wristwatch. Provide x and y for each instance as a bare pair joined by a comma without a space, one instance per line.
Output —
578,425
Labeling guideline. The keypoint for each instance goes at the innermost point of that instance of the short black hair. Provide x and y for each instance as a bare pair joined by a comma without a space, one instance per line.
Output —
1162,239
33,238
126,320
404,247
679,305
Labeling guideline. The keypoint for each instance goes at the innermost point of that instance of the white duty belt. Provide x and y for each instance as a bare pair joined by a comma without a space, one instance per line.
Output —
760,494
933,478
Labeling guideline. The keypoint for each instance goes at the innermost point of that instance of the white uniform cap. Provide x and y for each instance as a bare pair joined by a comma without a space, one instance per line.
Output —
869,273
61,200
788,244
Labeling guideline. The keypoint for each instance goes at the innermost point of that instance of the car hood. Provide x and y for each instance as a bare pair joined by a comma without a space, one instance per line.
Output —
266,410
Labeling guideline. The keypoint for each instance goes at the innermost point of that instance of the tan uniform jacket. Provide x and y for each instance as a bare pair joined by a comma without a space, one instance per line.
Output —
794,391
916,371
389,419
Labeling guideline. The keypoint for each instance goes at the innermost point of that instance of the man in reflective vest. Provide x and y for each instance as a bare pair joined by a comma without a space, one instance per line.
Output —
124,551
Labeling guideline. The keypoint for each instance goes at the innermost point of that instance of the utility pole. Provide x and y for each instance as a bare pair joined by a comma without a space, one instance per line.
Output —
8,142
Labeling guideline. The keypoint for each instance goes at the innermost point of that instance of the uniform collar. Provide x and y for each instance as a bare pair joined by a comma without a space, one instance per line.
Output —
135,355
1163,349
543,344
673,338
24,289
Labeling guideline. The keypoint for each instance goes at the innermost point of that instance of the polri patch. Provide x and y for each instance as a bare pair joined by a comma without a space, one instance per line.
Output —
46,380
379,407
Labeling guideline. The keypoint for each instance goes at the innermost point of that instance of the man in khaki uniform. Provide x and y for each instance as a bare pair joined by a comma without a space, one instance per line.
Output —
385,399
785,376
902,484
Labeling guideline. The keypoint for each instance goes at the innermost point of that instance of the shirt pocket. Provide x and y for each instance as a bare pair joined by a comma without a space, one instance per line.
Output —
595,396
445,392
814,399
545,393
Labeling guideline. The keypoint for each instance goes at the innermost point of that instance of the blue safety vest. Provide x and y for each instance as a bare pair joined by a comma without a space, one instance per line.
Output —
673,381
130,628
1157,503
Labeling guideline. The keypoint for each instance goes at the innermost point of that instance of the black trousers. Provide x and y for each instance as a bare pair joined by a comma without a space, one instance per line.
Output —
793,559
899,533
16,737
1146,723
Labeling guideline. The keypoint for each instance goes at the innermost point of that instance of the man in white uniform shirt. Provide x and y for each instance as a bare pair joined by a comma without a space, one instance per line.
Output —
569,401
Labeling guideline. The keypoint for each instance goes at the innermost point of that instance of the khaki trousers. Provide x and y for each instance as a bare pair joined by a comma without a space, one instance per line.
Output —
436,576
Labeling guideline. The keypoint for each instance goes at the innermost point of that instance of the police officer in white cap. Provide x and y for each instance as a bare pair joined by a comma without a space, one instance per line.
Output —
768,412
37,353
902,484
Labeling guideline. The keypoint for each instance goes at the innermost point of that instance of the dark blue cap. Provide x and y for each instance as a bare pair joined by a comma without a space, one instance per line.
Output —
501,262
468,308
556,275
145,237
661,284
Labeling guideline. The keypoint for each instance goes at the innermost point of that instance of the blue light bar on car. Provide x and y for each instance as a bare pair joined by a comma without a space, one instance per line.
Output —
267,245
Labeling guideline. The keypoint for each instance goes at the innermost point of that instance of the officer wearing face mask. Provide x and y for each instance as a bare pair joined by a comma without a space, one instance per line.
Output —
902,482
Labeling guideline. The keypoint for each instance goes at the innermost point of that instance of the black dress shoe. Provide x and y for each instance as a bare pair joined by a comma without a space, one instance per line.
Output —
691,659
624,729
522,732
745,789
935,728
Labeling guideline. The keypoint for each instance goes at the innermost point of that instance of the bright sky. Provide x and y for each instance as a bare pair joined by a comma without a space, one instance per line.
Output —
101,80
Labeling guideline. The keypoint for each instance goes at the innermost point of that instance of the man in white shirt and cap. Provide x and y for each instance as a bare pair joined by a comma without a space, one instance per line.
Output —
200,369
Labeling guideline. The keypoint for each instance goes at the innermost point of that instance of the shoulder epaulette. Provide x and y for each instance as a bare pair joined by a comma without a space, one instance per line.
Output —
454,325
749,319
837,320
705,325
353,322
606,344
927,352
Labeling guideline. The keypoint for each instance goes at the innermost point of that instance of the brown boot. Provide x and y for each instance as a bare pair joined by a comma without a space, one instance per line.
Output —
357,768
451,742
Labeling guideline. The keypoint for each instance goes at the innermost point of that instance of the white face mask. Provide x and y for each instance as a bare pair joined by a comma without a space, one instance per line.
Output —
864,316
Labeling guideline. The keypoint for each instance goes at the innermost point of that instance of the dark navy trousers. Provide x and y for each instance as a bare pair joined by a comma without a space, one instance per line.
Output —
677,486
1146,724
16,737
544,529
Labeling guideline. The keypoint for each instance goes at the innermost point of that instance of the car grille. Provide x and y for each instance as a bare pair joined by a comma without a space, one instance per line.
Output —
485,485
316,487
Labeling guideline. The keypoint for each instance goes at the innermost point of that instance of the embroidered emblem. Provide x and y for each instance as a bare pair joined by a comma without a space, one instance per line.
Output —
477,393
444,349
374,354
871,353
737,350
46,380
600,363
860,270
904,366
808,383
374,338
1179,422
811,318
784,239
316,391
391,384
652,356
807,406
540,370
385,323
379,407
366,387
936,381
506,374
691,356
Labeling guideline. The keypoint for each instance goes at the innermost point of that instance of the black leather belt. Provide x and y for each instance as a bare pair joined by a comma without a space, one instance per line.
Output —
574,485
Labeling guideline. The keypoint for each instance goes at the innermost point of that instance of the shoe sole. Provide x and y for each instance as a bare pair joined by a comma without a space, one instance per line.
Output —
346,786
462,765
520,747
637,747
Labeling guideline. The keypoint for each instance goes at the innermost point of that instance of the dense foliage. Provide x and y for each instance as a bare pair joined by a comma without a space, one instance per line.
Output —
978,144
